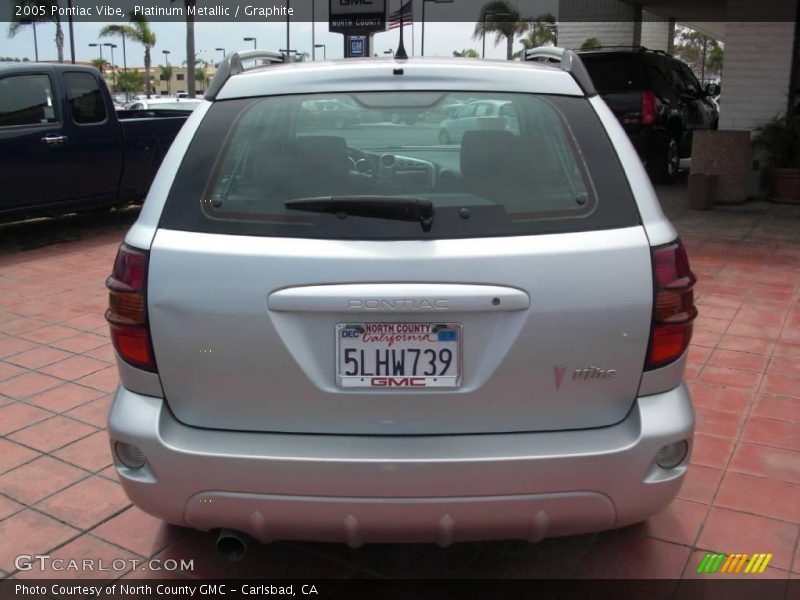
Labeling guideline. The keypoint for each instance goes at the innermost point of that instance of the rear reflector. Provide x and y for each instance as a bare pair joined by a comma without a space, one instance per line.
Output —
673,305
127,308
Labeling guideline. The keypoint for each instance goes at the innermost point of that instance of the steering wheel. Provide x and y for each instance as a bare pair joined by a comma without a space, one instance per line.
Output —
360,161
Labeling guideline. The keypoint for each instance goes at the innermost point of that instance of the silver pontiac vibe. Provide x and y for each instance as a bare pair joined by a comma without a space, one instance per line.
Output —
361,330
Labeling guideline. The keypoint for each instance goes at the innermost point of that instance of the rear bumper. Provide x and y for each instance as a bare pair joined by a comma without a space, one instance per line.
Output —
442,489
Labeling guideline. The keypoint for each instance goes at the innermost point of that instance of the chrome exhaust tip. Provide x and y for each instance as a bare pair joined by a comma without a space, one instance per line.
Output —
232,545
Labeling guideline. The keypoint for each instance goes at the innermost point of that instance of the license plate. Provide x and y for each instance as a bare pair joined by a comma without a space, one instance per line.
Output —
398,355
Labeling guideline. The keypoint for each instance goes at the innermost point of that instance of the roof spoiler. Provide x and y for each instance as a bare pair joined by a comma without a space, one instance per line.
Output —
572,64
232,65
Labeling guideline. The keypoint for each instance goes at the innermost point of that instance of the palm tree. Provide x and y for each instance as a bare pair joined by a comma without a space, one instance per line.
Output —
100,64
591,43
509,27
17,24
130,81
166,74
191,77
138,31
469,52
541,31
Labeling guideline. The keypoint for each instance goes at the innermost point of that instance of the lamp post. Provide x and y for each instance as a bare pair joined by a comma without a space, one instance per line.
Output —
324,50
313,40
124,63
493,15
113,67
71,32
422,46
35,43
288,18
220,50
100,47
254,40
166,60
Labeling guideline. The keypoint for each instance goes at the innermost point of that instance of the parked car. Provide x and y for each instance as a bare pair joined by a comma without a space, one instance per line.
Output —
329,113
164,104
478,114
64,148
656,97
366,336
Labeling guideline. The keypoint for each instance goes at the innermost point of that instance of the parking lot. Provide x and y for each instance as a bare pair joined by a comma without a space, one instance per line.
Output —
58,490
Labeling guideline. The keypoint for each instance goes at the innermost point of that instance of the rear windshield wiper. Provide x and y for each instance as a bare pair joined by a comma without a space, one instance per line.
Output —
396,208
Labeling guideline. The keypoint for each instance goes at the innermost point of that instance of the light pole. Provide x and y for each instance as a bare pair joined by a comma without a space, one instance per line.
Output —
100,47
422,47
288,17
254,40
166,60
324,50
493,15
35,43
220,50
124,63
71,32
313,40
113,67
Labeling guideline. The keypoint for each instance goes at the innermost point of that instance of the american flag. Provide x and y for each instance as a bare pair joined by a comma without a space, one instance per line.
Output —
408,16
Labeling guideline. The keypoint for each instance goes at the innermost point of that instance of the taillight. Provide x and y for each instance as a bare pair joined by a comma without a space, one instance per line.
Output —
127,308
648,107
673,305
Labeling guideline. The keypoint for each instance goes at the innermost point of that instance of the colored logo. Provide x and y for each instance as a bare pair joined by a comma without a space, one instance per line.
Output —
734,563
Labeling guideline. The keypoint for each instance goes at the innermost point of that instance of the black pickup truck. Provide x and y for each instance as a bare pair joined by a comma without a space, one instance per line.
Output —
63,147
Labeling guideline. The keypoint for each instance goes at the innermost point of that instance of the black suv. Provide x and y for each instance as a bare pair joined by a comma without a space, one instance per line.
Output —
657,99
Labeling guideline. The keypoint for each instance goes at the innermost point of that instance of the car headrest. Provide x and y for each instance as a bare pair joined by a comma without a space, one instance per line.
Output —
484,150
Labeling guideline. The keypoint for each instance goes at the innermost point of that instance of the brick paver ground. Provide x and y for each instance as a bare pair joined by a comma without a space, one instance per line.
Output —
59,494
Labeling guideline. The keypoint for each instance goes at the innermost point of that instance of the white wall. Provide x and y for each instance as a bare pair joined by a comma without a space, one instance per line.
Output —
610,21
655,31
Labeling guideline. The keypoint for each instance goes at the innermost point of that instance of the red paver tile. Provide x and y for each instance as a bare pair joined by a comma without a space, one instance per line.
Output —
708,339
759,316
12,455
761,496
730,531
698,354
106,380
764,461
718,423
711,299
700,484
745,344
770,333
785,367
709,324
691,371
105,353
8,507
20,326
64,397
13,345
711,451
87,321
138,532
733,359
777,407
27,384
787,350
79,549
31,533
38,479
86,503
737,378
720,397
109,473
18,415
790,334
622,555
74,367
92,453
7,371
52,433
94,412
718,312
37,357
81,343
769,432
773,384
47,334
680,522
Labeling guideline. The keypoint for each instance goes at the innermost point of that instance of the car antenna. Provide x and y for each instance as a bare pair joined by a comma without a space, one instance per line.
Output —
401,49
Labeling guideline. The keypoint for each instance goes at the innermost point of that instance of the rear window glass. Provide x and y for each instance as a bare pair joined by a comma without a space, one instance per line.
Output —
615,72
490,164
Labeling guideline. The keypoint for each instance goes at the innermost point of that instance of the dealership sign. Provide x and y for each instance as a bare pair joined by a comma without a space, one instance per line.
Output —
357,17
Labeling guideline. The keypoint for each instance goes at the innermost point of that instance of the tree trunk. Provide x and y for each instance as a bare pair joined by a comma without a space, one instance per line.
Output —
509,46
190,53
60,41
147,70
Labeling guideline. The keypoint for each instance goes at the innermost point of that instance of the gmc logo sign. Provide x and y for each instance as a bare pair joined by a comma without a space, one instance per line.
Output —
397,382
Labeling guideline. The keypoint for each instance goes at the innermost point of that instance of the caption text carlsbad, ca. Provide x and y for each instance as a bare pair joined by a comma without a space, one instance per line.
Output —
161,589
115,12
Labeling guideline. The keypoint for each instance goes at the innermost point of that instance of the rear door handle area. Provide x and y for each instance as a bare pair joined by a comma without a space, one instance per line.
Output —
54,140
399,297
